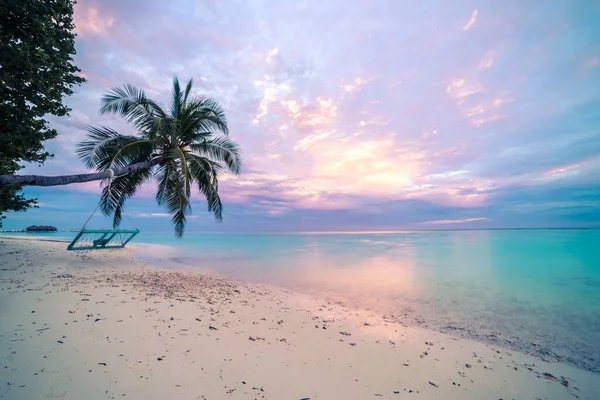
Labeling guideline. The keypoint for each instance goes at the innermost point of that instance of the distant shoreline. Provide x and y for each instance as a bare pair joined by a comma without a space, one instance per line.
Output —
38,238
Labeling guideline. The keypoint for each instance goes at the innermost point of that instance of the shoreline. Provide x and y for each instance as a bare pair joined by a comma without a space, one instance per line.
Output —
408,317
411,319
288,343
144,252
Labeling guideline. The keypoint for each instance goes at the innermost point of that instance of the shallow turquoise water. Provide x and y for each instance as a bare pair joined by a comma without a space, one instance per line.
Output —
512,287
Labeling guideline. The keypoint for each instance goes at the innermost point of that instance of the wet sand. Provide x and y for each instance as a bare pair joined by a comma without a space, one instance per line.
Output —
100,325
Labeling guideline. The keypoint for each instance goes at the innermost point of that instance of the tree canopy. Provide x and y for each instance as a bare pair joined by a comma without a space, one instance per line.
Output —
36,71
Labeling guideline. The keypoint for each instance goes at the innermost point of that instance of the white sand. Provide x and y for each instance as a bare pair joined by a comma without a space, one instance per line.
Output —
100,326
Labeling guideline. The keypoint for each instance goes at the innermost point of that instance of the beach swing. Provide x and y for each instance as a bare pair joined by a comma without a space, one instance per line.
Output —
98,239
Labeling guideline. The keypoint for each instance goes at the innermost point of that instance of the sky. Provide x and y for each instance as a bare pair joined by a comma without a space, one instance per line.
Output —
356,115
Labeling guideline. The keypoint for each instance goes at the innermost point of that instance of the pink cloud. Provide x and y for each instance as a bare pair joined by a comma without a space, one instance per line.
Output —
89,21
472,20
487,61
562,170
355,85
461,89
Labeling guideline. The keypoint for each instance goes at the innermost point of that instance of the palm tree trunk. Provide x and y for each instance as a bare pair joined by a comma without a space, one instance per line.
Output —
40,180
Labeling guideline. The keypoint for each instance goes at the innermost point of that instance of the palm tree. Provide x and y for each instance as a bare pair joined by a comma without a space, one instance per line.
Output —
179,147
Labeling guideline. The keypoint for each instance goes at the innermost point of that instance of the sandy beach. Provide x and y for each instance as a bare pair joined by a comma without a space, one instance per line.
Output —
100,325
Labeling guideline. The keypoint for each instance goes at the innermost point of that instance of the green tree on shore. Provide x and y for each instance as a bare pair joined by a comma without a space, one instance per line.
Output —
36,71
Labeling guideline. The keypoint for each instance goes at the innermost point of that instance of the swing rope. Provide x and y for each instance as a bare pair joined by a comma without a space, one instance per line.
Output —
103,238
111,178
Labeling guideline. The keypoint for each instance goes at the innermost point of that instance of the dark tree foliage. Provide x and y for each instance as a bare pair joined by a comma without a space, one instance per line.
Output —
36,71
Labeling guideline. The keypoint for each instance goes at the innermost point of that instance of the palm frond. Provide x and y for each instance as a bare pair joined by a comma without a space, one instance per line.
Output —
132,104
220,149
204,172
133,152
177,99
202,116
162,181
188,89
171,194
167,133
185,172
100,146
114,196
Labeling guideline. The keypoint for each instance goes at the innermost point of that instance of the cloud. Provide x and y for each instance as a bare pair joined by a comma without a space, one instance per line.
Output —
354,85
89,21
472,21
487,61
454,221
563,170
460,89
151,215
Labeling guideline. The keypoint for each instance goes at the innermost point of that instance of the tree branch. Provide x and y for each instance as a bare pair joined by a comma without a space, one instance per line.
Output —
41,180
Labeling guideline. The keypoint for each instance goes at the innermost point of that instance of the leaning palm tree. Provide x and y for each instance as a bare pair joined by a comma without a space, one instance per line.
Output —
178,147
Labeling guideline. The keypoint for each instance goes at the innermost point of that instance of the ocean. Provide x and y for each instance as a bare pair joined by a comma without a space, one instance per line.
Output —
534,290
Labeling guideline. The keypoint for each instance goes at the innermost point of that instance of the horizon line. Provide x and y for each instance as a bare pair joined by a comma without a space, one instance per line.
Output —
340,232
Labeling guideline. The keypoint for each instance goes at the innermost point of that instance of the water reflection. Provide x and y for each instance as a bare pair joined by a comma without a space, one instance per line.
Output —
524,286
375,283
